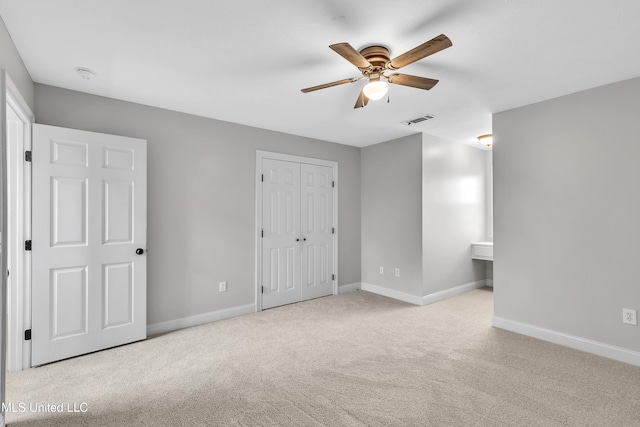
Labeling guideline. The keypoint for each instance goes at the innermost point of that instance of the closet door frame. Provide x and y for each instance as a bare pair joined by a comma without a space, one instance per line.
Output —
260,155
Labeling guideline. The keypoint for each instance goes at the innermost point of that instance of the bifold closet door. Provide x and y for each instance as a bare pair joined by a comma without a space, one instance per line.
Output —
281,233
317,230
297,232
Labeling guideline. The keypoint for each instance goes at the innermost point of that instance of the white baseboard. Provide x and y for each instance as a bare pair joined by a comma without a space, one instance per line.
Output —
386,292
490,283
199,319
448,293
594,347
427,299
351,287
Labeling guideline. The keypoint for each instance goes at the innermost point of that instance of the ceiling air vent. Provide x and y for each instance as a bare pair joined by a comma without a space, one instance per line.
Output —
419,119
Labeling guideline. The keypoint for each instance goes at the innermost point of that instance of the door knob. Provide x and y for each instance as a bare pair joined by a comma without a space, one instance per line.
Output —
304,240
139,251
297,240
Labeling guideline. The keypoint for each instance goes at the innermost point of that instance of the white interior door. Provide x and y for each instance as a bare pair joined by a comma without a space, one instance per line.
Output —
89,222
297,232
281,233
317,230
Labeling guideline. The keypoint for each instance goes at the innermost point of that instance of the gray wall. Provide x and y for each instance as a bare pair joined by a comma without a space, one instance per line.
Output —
201,200
391,214
12,63
453,213
567,213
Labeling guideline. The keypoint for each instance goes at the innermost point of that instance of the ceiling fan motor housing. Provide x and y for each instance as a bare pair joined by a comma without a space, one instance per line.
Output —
378,56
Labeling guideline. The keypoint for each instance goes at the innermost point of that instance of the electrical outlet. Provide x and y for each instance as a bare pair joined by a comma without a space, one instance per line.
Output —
223,286
397,272
629,317
381,270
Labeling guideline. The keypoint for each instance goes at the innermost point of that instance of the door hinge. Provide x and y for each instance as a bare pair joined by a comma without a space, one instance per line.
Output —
333,183
27,156
333,277
27,335
27,245
262,289
262,178
333,230
262,233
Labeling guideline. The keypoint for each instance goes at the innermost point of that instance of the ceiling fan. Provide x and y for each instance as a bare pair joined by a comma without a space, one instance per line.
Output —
374,61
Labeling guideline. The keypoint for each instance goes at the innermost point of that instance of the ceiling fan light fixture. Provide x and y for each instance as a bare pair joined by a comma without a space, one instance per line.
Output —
375,89
486,139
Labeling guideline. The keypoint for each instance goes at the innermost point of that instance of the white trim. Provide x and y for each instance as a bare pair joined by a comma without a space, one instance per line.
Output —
351,287
488,172
448,293
199,319
260,155
391,293
583,344
3,239
424,300
19,298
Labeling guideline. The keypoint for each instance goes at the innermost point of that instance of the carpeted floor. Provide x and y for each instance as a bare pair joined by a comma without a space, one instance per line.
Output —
357,359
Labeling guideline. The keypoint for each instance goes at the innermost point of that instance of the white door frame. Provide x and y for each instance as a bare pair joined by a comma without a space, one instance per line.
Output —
260,155
19,191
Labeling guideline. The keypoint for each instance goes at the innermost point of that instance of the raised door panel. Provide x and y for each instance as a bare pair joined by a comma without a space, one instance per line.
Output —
117,294
69,209
118,158
69,304
117,211
68,153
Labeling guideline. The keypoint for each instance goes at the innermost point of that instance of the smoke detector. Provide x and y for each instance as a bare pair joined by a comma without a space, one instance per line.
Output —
85,73
419,119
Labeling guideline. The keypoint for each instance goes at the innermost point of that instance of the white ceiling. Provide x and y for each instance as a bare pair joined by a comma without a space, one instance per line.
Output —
245,61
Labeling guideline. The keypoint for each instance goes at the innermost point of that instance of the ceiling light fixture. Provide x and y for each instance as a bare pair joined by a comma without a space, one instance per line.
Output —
85,73
486,139
375,89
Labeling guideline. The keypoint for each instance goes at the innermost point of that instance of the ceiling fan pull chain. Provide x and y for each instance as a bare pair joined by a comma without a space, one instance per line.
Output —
388,99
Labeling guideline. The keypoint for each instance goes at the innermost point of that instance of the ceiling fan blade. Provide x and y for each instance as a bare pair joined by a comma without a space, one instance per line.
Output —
412,81
434,45
362,100
350,54
326,85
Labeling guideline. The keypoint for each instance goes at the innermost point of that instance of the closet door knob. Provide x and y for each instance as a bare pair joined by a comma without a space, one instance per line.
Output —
139,251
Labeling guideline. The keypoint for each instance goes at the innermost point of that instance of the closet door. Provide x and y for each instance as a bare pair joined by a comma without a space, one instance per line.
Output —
317,230
281,233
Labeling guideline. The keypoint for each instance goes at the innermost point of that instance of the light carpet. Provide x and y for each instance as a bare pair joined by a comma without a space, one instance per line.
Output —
356,359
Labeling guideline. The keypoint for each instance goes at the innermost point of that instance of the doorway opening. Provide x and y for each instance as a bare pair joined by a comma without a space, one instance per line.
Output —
19,119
